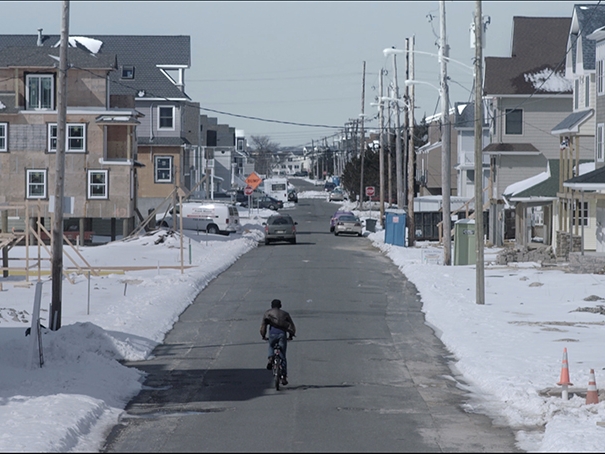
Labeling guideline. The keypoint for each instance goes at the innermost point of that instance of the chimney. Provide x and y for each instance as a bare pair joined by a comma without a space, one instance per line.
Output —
39,43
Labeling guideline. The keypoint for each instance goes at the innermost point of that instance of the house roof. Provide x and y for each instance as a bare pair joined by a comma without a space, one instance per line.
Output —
544,185
572,122
587,19
146,53
510,148
41,57
536,64
464,116
590,181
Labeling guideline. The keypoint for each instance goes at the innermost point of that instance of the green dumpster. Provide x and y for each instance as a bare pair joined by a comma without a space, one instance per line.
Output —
465,249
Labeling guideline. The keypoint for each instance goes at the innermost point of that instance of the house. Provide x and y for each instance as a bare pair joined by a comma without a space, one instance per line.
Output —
100,168
527,94
149,76
582,194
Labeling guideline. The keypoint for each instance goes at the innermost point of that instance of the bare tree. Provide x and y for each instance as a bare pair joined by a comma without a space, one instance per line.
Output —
263,151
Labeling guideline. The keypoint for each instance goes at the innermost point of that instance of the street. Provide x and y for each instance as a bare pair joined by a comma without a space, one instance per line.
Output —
366,374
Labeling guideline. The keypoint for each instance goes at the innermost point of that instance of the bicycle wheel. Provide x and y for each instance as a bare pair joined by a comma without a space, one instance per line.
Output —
277,372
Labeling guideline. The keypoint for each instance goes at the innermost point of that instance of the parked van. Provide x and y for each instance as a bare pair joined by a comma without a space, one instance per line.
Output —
276,188
210,217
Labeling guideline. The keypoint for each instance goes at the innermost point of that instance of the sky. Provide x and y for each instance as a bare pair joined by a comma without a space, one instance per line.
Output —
294,71
510,351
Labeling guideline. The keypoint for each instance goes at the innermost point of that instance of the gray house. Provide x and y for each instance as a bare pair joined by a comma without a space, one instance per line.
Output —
527,94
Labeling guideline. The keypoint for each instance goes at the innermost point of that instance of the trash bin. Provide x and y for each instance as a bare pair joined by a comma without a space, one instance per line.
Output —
371,225
394,227
465,242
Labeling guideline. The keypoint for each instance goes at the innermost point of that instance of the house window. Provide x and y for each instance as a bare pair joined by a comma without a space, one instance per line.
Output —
127,72
75,141
40,91
576,94
3,136
601,77
514,121
600,145
166,117
163,169
36,184
587,91
97,184
581,217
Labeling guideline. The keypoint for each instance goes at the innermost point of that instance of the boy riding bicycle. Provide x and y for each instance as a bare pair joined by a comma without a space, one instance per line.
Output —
281,330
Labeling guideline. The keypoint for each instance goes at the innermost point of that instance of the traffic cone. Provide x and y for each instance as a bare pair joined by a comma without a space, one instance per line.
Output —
592,395
564,380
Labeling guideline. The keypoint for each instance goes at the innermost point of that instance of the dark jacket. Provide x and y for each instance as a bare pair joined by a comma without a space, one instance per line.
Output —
279,319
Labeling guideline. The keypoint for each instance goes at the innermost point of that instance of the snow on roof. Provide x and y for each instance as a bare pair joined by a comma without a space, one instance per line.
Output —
93,45
587,167
522,185
547,80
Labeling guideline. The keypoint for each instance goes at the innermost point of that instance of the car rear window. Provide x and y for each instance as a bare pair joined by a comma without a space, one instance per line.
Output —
281,221
347,218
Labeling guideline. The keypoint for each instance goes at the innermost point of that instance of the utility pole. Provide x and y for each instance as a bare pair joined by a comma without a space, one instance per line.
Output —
398,159
57,234
389,155
480,273
362,141
411,151
381,150
406,128
446,145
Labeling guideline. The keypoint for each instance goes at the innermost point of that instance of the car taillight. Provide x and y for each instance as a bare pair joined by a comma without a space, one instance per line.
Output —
293,229
266,229
358,224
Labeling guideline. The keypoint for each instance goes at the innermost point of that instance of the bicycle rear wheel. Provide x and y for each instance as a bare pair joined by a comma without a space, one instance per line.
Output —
277,372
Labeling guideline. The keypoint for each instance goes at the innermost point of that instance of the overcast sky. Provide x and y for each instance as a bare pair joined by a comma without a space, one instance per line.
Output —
294,70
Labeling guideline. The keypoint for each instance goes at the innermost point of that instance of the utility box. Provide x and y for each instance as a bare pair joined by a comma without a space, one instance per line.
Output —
394,227
465,242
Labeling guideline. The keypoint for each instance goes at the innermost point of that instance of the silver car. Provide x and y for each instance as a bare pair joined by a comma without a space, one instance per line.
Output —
336,195
280,227
348,224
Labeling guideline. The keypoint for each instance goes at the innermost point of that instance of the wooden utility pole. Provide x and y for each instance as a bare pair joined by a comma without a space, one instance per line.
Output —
446,145
381,150
362,133
57,234
398,158
411,150
480,274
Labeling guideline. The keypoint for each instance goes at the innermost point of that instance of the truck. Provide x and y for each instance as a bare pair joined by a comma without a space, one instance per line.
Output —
276,188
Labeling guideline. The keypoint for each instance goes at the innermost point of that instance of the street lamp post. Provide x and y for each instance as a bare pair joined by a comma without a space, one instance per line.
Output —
398,161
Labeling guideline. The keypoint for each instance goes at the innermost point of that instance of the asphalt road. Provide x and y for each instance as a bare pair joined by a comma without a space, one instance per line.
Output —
366,373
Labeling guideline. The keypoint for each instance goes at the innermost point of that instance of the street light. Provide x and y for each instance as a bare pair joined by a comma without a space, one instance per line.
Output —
445,167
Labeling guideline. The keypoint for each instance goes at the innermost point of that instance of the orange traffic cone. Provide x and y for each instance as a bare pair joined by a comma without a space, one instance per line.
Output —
564,381
592,395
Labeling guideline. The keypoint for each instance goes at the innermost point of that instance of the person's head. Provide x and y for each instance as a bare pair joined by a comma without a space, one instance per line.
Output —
275,304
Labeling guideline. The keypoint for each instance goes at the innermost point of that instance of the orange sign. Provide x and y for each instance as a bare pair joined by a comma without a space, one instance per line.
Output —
253,180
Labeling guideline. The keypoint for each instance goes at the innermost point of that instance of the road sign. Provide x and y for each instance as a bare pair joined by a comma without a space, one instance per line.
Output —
370,191
253,180
248,190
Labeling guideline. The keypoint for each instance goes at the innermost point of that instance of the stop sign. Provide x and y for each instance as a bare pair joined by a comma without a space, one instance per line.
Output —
369,191
248,190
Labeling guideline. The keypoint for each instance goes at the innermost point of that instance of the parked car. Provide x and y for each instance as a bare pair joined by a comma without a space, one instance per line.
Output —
329,186
292,196
348,224
265,201
280,227
336,195
336,215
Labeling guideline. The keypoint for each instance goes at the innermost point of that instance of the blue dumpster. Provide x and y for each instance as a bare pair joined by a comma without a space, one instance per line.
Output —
394,227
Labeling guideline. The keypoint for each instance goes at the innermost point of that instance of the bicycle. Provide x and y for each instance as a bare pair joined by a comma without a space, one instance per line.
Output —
276,362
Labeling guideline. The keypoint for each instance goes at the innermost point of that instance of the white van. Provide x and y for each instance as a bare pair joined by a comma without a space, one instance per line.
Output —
210,217
276,188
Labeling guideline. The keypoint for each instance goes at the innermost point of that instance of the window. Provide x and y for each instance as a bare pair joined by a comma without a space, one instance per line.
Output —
163,169
127,72
576,94
601,77
75,141
97,184
587,91
40,92
166,117
514,121
36,184
3,136
600,145
582,215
